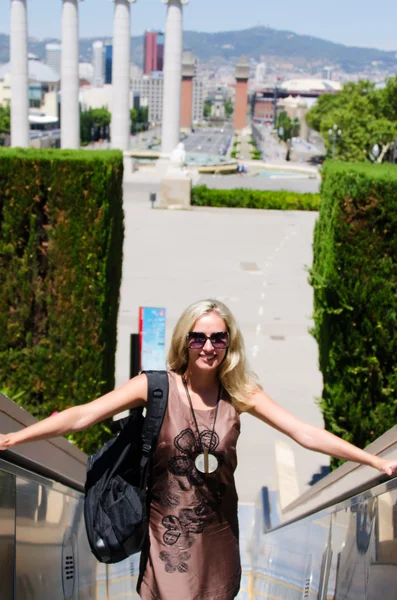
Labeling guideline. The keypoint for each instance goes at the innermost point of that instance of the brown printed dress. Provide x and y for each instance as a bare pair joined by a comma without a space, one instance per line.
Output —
193,546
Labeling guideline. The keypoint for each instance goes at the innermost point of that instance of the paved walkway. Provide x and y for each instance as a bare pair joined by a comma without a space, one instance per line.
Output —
255,261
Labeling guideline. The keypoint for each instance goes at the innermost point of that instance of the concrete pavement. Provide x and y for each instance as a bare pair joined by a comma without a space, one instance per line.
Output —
255,261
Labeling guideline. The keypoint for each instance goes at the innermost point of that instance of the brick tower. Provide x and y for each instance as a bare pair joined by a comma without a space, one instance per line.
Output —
188,73
241,101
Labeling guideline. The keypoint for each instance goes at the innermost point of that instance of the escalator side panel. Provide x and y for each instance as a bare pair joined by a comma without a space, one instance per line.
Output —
7,535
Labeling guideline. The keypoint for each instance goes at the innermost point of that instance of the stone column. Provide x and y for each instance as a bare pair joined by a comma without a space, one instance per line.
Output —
172,76
241,101
70,110
121,122
188,73
19,74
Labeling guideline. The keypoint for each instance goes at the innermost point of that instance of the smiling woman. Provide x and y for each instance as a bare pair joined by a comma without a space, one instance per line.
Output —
192,493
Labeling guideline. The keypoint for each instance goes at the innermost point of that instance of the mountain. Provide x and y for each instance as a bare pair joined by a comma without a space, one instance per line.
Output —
264,41
256,42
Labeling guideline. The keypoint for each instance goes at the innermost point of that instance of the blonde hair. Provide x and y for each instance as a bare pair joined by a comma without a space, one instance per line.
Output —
234,374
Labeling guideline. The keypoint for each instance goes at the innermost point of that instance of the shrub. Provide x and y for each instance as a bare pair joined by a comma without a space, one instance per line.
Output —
354,276
61,233
246,198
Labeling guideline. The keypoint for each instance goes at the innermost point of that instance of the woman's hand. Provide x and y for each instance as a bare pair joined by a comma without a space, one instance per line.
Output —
4,445
387,466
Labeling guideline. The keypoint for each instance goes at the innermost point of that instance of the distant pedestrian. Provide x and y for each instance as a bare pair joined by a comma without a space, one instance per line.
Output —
192,552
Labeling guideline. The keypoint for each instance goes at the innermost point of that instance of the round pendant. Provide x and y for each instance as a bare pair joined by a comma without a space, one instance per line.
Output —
212,463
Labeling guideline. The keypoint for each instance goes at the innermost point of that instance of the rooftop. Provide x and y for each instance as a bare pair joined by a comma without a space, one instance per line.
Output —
311,85
37,70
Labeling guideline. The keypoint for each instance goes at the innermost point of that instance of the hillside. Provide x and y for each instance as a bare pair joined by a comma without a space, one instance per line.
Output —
227,46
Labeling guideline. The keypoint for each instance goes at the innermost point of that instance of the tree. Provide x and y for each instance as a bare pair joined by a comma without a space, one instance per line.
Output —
290,128
207,109
229,108
139,119
5,119
94,124
365,115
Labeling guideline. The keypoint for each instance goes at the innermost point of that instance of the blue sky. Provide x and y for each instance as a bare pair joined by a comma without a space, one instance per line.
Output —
352,22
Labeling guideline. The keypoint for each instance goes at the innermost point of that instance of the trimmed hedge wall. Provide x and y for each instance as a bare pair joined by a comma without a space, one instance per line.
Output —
354,276
61,235
246,198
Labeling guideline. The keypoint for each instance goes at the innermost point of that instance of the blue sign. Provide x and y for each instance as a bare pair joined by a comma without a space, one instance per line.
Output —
152,337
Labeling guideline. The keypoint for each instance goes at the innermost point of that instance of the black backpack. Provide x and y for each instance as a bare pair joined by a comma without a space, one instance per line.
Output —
116,505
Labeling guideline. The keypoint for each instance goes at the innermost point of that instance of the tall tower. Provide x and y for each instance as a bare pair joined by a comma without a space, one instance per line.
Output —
121,122
19,74
241,101
160,51
172,76
188,73
108,62
153,52
98,62
70,113
53,53
150,52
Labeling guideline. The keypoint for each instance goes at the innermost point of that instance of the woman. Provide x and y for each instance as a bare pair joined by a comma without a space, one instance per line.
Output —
192,551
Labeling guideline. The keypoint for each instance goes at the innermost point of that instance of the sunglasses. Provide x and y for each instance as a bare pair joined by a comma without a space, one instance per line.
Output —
197,340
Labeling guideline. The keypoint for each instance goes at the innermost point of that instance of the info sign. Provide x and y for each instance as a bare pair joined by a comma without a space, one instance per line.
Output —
152,338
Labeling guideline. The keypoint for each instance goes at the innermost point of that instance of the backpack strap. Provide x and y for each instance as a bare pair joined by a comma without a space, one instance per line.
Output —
157,400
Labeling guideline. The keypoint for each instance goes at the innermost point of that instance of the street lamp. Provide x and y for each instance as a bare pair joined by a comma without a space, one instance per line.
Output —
152,198
375,152
334,135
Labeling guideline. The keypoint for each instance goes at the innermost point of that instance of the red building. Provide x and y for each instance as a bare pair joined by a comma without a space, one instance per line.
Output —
153,52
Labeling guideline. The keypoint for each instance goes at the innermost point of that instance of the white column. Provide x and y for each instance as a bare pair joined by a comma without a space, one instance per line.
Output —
172,76
70,112
19,74
121,122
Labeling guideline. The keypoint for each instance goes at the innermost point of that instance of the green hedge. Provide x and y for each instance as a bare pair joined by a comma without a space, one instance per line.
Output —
61,234
354,276
246,198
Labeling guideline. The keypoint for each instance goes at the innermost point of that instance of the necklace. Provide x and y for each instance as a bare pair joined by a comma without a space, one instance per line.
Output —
205,462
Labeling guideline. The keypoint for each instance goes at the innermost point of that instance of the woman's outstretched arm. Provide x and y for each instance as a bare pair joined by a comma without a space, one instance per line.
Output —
130,395
312,437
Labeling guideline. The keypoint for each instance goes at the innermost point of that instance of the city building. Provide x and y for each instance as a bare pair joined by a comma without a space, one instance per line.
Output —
43,87
218,105
295,108
264,101
149,88
86,73
260,73
153,52
311,86
108,63
160,51
97,97
53,56
148,91
198,99
98,62
135,71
